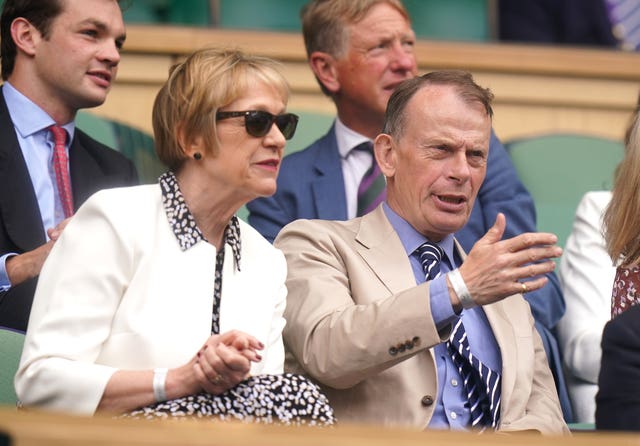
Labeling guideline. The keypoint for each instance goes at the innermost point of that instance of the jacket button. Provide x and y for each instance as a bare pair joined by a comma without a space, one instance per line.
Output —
408,345
393,351
401,347
416,341
427,400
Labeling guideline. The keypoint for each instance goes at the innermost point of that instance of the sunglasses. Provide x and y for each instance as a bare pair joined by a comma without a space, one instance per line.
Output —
258,122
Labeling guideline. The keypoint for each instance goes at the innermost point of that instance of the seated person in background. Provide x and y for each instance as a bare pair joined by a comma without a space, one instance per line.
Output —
58,56
359,51
586,275
157,300
564,22
380,306
618,398
622,223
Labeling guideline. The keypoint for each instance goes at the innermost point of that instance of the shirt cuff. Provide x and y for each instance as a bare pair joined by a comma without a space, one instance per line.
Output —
5,284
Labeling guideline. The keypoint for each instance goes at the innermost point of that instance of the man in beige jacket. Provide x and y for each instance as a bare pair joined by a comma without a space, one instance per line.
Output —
363,321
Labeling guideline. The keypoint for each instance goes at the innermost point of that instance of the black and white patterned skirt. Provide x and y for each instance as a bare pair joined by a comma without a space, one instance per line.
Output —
284,399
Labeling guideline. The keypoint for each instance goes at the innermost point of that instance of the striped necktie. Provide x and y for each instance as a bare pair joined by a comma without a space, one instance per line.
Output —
372,189
482,385
480,382
625,22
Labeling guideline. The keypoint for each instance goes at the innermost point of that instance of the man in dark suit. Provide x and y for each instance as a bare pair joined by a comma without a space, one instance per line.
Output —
57,57
359,51
565,22
618,397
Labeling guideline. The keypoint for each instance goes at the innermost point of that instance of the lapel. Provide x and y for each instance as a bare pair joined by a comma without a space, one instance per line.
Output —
505,334
381,248
86,174
328,186
18,204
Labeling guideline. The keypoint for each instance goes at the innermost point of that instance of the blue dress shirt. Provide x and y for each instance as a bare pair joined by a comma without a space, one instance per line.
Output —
451,410
31,124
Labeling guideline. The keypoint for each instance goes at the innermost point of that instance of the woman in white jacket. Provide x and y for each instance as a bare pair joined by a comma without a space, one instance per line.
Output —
157,299
586,274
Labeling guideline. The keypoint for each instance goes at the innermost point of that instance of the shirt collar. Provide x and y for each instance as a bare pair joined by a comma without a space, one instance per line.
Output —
26,116
184,225
347,139
412,239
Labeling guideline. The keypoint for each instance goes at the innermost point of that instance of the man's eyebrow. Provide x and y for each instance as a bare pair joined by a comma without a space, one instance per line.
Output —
102,26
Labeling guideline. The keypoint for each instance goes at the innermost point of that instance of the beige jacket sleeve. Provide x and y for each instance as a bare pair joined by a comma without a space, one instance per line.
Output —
343,319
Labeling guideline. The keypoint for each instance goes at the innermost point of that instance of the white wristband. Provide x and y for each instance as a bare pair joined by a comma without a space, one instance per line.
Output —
460,288
159,382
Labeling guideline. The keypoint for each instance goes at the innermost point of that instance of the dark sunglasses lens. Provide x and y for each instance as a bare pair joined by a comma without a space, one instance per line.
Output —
287,124
258,123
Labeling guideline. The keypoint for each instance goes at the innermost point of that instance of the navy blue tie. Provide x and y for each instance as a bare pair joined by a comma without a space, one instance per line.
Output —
480,382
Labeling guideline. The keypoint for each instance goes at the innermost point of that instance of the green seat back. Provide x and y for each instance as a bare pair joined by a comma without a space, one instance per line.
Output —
450,19
11,343
311,126
558,169
189,12
173,12
144,11
131,142
275,15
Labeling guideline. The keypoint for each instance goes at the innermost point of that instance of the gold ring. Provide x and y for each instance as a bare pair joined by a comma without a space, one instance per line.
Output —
217,379
524,287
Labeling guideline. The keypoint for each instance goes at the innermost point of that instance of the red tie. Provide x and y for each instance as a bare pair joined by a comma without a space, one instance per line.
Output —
60,162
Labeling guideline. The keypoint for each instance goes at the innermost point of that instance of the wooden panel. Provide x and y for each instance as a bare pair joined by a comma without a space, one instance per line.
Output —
36,429
537,88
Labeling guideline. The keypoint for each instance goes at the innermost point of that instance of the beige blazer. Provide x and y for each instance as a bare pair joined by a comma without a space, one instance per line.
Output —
353,300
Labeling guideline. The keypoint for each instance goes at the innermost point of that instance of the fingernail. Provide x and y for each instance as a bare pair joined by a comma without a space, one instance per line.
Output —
259,357
199,354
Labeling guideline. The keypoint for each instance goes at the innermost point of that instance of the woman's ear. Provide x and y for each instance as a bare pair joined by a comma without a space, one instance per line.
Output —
190,145
384,149
323,66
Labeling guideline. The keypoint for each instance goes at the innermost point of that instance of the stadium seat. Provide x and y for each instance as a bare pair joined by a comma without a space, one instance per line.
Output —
133,143
11,343
466,20
558,169
275,15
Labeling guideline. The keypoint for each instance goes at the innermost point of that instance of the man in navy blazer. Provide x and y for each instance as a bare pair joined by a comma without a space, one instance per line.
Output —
57,57
359,50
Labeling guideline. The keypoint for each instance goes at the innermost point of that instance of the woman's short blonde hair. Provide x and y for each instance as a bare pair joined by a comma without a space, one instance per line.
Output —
206,81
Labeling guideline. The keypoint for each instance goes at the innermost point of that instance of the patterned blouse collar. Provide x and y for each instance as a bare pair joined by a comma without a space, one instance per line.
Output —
184,225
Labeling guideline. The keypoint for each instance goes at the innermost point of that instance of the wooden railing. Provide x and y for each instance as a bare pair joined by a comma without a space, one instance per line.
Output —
538,89
36,429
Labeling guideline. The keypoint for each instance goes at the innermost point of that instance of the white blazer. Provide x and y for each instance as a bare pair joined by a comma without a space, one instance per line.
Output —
117,292
586,274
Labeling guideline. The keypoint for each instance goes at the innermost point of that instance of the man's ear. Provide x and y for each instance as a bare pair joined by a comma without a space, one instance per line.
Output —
25,35
384,149
323,66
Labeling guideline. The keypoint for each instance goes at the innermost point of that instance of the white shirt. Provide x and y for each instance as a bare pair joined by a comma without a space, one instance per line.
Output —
354,163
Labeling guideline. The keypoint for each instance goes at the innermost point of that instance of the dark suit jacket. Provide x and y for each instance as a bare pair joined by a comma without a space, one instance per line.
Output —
311,186
571,22
618,397
93,166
